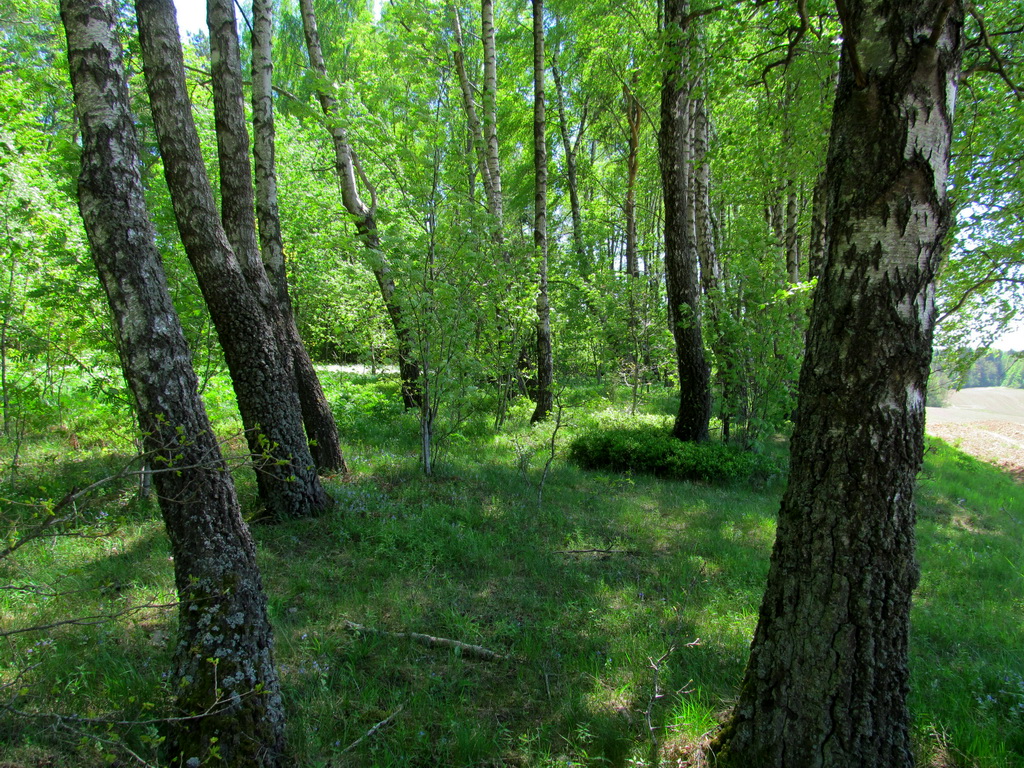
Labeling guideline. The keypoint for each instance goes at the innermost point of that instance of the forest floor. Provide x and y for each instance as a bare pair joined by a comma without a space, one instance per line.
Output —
986,422
621,605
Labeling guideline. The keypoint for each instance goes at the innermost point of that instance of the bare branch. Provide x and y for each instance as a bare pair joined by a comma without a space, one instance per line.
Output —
373,730
472,651
996,60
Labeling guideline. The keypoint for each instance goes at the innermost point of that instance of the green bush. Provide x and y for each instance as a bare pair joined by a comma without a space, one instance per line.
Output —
652,450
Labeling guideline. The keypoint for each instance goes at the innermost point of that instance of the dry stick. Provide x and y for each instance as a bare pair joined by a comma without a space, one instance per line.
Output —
473,651
88,621
373,730
655,695
552,450
598,552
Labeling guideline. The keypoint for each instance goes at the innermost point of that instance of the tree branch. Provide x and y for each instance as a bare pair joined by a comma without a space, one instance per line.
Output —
472,651
996,60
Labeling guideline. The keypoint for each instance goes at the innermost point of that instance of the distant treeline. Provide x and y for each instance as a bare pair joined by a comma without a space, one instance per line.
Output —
997,369
994,368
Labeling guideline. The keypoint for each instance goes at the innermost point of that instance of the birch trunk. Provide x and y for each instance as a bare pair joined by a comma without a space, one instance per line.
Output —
681,274
317,416
365,216
545,363
490,105
816,257
826,685
223,613
287,479
472,117
571,149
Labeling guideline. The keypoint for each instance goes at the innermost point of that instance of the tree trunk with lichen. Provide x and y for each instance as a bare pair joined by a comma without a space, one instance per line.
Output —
227,696
285,472
827,681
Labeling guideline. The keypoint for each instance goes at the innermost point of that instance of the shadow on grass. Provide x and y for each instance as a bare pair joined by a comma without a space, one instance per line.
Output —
583,593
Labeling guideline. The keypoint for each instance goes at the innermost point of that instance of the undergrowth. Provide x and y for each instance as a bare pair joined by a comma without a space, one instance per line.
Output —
651,449
623,602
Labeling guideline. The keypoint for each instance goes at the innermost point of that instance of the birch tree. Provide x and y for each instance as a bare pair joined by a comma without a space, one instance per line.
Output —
227,698
675,143
826,685
267,401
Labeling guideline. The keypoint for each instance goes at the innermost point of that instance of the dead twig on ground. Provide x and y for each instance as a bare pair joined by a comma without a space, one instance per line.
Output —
472,651
382,724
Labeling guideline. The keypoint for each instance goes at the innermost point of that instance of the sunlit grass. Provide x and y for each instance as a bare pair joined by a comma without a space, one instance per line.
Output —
625,606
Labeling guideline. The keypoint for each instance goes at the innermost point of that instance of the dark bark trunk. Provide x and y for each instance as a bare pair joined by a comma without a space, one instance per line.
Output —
364,216
285,472
632,167
545,363
681,274
827,680
816,258
571,150
321,429
792,235
231,707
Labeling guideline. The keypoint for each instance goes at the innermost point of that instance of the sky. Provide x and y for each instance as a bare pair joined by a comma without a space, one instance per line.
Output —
191,15
1012,340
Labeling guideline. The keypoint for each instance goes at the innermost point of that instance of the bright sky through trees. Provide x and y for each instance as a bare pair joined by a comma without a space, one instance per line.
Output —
191,15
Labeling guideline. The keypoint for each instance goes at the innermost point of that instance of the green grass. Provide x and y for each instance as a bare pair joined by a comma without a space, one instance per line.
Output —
674,573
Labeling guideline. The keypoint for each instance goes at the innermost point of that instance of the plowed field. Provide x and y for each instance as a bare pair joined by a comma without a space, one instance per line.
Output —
987,422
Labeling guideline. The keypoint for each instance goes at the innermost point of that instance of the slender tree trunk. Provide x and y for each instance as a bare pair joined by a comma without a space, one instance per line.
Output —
792,235
490,106
633,117
827,681
286,475
674,141
710,267
226,688
816,258
545,363
472,117
571,149
365,216
317,417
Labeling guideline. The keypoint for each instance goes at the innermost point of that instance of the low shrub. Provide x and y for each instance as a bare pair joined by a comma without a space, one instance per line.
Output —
652,450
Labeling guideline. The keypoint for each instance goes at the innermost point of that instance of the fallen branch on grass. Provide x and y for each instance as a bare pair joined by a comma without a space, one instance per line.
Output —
372,731
472,651
598,552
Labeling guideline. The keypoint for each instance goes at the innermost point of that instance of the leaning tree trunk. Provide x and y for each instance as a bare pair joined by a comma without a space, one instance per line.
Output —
365,216
285,472
826,685
472,116
681,277
317,416
545,363
226,689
